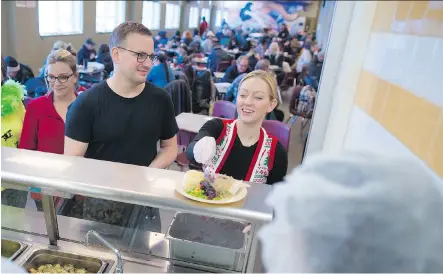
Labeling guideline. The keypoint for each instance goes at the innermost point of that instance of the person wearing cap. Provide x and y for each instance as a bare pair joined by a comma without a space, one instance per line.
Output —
16,71
355,212
87,52
207,44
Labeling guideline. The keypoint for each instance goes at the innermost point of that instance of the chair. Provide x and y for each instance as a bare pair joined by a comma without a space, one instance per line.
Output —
183,140
34,83
280,130
224,109
223,66
40,91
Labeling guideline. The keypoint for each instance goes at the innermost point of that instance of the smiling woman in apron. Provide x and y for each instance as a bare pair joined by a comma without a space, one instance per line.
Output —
241,148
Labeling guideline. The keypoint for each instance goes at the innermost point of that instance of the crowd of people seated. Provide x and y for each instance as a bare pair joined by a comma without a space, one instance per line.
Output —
235,52
232,51
124,118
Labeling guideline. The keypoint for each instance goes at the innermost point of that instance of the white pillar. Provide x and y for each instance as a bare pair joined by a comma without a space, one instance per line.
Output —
349,38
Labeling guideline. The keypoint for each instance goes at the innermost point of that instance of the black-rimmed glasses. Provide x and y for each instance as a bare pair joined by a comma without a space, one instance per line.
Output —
142,56
60,78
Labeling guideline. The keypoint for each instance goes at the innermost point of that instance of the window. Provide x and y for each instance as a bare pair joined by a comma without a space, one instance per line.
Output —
193,17
110,14
172,20
60,17
221,14
151,14
207,14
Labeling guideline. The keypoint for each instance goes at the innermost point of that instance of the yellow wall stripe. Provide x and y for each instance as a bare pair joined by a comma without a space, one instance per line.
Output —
416,122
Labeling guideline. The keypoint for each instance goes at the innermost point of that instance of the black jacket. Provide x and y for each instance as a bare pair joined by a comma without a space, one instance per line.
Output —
284,34
232,73
24,74
105,59
180,95
83,54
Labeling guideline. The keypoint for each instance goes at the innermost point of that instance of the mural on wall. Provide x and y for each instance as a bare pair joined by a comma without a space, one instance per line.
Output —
266,14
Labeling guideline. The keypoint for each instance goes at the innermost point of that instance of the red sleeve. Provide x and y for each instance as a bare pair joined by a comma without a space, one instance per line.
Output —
28,139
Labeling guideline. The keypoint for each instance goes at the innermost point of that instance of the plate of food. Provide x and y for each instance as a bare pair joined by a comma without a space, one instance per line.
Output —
223,190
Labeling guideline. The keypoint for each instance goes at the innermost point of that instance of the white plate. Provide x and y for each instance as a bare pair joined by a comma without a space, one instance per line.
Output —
240,195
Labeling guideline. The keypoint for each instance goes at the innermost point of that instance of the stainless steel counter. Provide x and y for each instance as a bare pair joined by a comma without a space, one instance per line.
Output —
132,263
60,175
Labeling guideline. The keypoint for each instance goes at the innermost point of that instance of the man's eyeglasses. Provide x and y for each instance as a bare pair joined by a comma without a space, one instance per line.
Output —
141,56
60,78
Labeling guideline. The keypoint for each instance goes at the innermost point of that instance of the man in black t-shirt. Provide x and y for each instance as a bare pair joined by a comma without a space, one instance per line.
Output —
122,119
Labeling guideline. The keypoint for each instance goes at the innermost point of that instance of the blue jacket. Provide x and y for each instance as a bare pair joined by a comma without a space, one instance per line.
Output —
157,75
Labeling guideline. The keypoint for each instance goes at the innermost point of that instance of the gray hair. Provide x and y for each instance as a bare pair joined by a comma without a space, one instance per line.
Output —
263,64
241,58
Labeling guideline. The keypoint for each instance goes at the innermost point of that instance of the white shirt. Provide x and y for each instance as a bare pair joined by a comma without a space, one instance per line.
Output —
305,58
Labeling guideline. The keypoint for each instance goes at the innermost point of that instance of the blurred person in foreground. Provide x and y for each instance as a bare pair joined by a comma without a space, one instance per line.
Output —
355,212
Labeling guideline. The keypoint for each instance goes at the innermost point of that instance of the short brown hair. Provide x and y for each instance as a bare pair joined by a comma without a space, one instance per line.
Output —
122,31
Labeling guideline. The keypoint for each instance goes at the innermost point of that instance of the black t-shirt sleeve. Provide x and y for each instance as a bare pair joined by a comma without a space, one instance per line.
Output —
280,166
169,124
212,128
79,119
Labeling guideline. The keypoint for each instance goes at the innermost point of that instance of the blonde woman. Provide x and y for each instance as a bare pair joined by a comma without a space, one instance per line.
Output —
57,45
241,148
44,124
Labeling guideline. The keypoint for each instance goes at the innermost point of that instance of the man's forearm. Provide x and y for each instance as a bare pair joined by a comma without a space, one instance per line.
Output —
165,157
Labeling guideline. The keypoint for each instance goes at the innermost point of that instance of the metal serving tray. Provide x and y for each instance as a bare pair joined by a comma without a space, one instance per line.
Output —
12,249
46,256
207,240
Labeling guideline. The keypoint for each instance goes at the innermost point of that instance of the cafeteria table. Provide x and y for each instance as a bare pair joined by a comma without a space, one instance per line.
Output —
219,75
191,122
222,88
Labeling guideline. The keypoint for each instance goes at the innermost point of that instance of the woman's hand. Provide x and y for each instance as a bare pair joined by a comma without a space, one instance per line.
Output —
204,150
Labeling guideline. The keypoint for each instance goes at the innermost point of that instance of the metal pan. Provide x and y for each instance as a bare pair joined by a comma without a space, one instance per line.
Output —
207,240
12,249
46,256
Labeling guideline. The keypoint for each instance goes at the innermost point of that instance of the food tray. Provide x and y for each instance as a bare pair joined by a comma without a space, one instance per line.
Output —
46,256
207,240
12,249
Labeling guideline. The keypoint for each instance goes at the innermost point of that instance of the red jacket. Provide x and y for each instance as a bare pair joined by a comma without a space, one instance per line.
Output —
43,129
203,27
